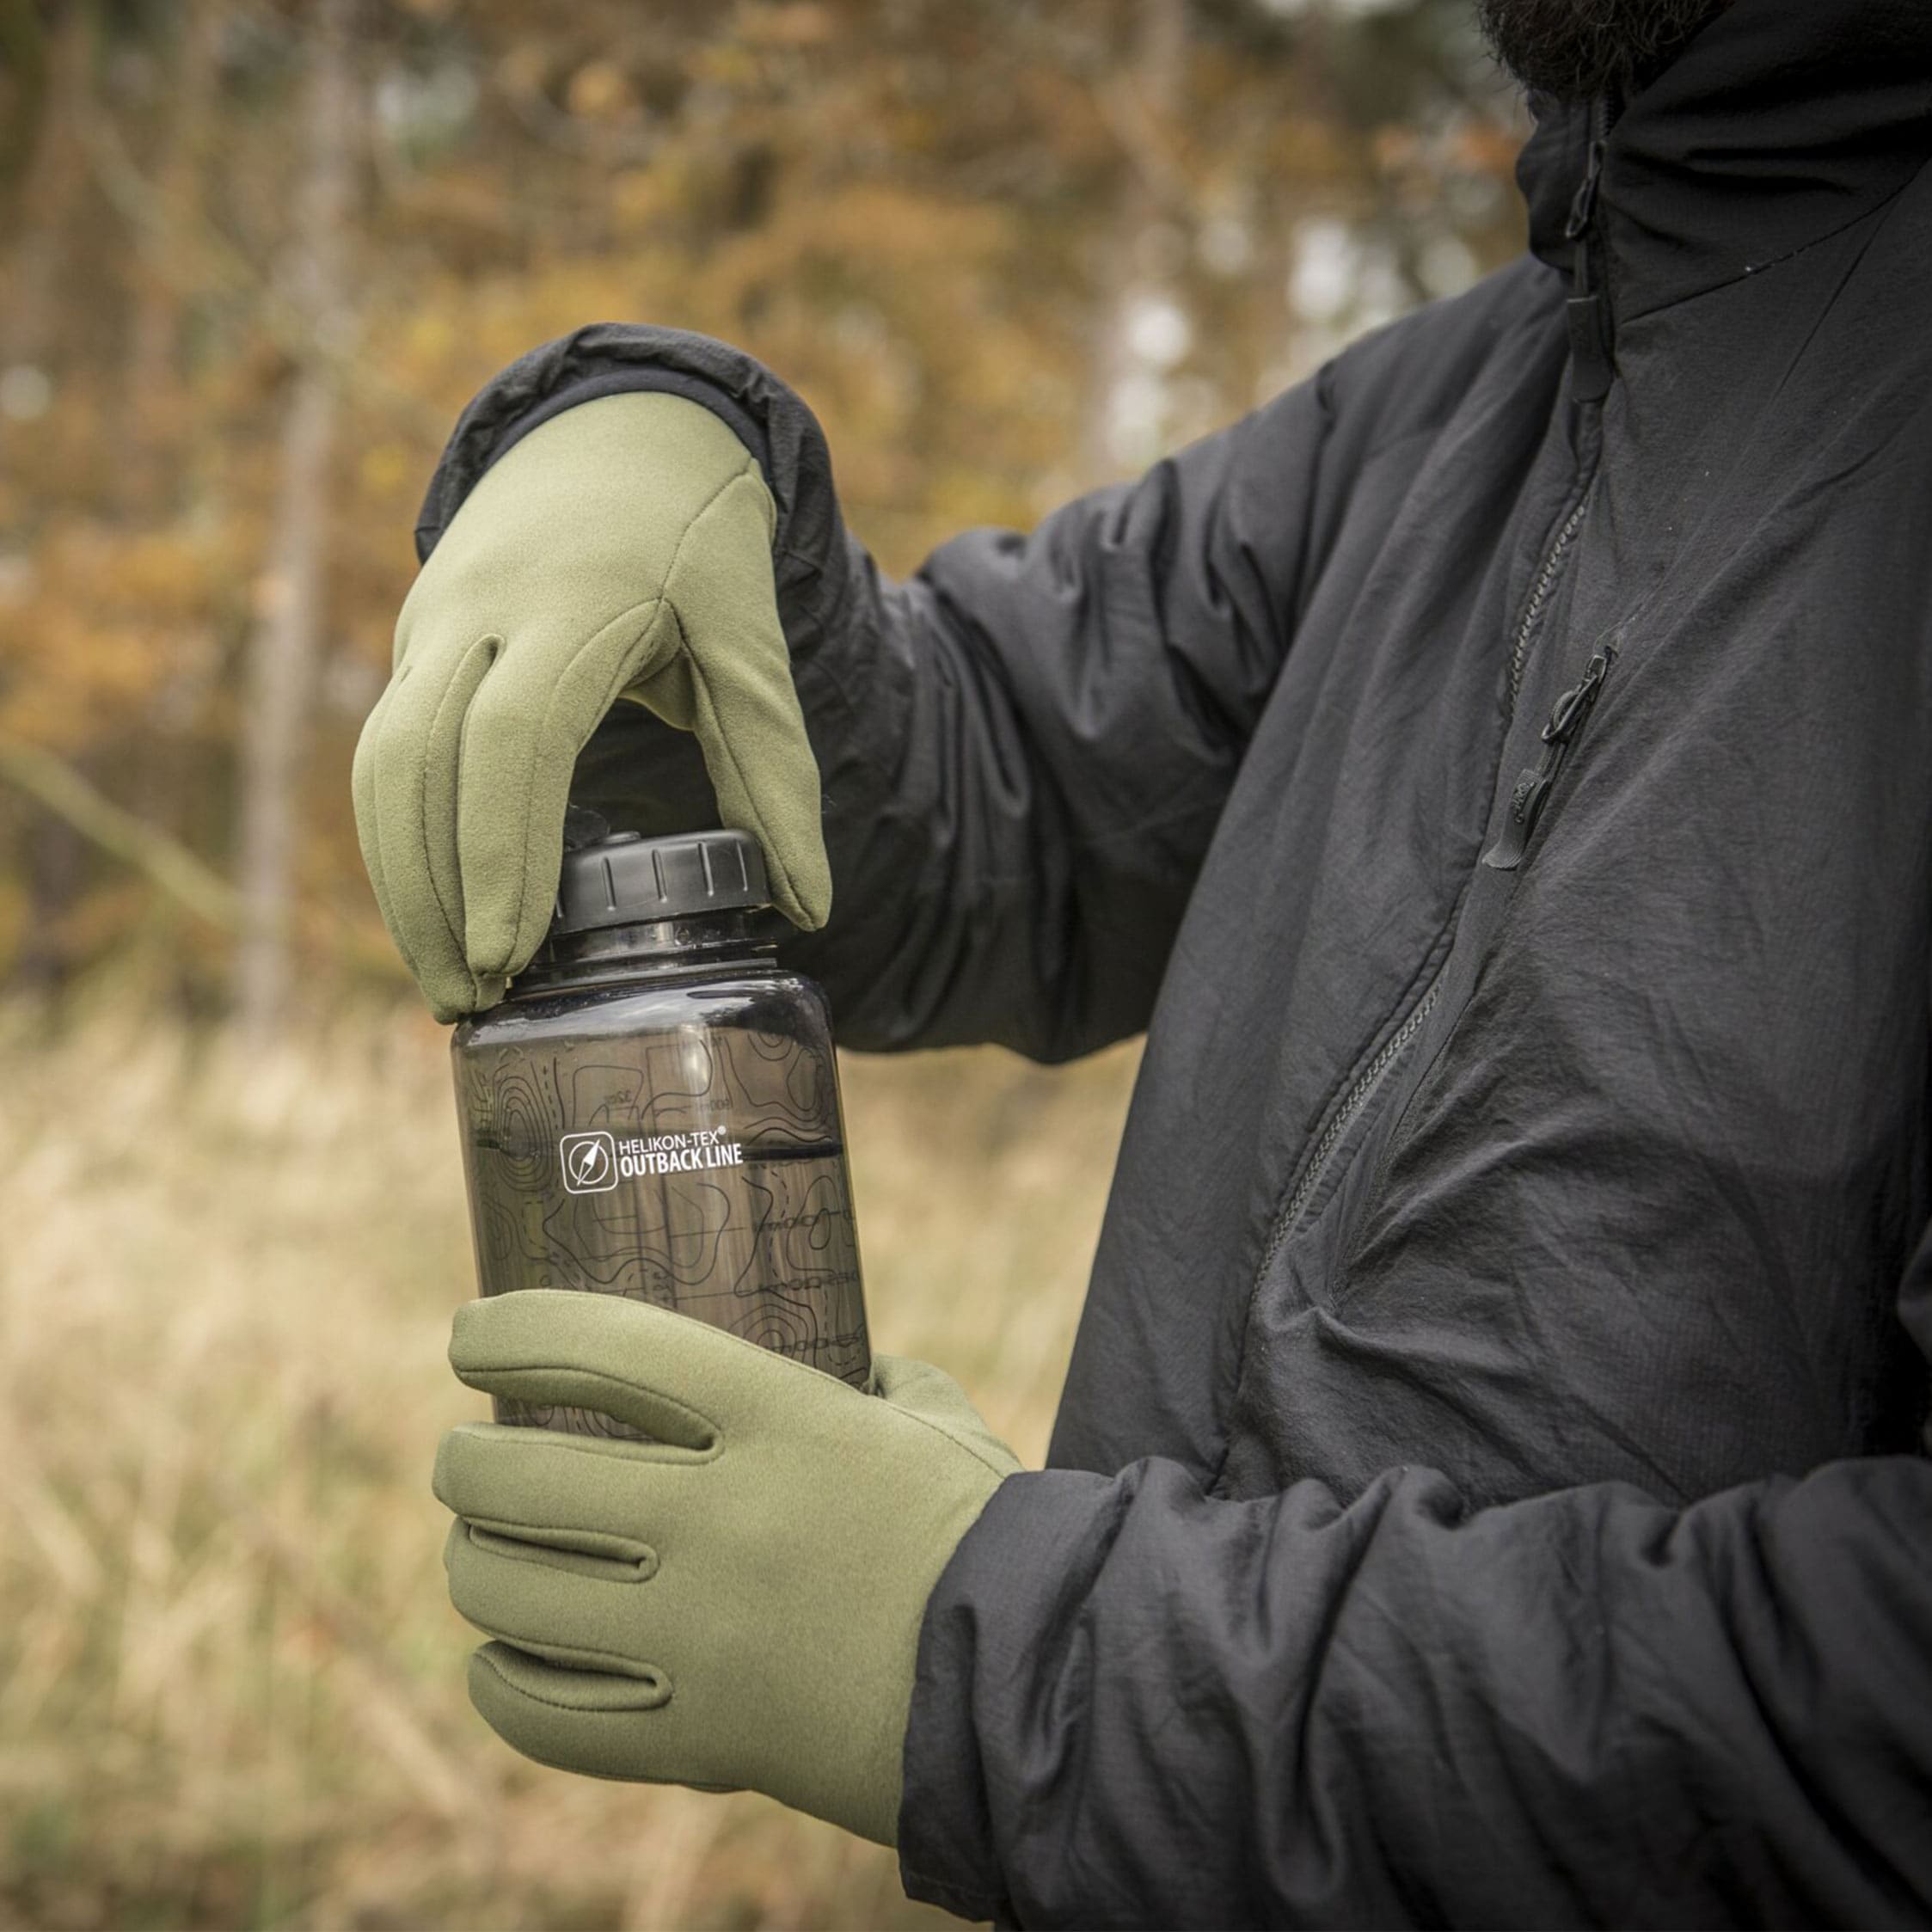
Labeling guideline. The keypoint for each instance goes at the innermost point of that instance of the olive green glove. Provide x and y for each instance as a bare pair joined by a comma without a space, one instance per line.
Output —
622,549
736,1605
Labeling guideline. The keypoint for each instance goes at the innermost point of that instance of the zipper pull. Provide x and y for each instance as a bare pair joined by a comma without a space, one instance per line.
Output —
1587,309
1583,204
1532,785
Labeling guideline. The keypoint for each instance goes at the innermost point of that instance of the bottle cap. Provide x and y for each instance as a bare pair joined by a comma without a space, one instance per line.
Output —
626,879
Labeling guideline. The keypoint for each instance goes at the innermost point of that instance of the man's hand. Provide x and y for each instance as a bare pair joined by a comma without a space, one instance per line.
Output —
622,549
735,1605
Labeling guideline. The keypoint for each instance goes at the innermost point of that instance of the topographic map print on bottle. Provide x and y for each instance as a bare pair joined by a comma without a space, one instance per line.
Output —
703,1170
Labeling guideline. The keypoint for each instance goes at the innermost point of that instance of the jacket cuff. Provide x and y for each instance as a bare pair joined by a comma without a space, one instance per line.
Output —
999,1606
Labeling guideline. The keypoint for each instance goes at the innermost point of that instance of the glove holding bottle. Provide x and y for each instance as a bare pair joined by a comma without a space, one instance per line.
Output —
620,550
735,1602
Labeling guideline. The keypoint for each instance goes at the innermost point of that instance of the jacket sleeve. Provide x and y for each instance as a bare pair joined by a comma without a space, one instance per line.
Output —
1024,748
1140,1706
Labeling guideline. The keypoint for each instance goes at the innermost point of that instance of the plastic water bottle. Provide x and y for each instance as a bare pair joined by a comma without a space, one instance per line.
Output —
652,1110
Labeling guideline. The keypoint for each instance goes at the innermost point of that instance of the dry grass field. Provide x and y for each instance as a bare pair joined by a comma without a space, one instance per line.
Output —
231,1684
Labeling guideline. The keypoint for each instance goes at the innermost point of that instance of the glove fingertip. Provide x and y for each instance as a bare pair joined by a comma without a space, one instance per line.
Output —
803,893
470,1322
486,991
455,993
441,1483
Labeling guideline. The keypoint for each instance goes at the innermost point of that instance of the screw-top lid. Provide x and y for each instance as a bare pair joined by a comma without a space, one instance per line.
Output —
626,879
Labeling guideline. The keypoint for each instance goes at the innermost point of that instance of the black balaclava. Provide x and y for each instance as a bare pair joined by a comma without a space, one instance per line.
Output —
1574,50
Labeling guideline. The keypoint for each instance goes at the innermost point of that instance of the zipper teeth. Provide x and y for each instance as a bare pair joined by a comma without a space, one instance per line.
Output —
1540,596
1371,1075
1346,1116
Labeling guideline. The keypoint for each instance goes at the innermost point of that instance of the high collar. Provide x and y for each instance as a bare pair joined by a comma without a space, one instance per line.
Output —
1783,121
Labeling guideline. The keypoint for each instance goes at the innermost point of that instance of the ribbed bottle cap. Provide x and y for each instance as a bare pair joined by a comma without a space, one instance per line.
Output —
627,879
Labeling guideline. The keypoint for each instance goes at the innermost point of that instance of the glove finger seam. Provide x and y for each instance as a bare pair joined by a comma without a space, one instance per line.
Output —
546,1442
525,1543
700,678
458,941
629,1669
619,1451
619,681
747,472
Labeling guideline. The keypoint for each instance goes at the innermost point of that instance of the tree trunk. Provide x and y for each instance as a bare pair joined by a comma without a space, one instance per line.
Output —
54,182
154,348
50,198
1143,102
283,651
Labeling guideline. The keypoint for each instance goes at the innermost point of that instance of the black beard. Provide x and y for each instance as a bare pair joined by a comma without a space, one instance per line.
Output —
1574,50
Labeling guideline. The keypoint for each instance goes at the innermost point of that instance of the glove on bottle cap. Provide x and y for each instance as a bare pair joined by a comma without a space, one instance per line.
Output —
627,879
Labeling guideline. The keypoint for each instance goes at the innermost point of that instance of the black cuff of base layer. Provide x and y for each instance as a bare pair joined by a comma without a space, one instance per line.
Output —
633,381
616,358
984,1647
637,380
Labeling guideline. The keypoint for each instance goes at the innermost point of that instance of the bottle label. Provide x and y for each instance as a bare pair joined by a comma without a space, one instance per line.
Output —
593,1163
701,1170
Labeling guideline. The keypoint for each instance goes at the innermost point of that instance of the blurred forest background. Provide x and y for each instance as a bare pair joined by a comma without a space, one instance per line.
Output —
254,256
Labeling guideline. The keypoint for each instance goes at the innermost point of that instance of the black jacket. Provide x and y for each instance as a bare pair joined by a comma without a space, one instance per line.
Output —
1499,776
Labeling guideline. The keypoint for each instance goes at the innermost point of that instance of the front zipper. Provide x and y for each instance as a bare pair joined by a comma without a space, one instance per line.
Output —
1531,791
1592,373
1587,311
1539,596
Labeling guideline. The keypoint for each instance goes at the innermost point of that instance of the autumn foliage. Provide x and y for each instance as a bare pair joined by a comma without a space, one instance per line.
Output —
1005,249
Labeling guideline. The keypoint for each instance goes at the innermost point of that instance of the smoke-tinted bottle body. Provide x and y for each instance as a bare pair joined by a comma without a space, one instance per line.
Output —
654,1112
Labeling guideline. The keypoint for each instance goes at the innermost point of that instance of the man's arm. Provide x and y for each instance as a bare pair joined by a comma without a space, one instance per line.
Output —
1137,1705
1025,747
